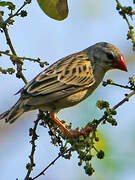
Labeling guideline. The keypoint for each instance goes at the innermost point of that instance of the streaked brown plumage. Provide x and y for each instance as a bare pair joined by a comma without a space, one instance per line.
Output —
67,82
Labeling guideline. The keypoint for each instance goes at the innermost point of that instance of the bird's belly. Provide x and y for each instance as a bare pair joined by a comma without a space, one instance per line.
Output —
65,102
76,98
72,99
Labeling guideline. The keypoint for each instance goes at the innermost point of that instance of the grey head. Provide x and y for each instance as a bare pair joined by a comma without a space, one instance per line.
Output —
106,56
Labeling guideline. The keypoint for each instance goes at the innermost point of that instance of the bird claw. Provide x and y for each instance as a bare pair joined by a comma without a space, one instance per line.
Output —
85,132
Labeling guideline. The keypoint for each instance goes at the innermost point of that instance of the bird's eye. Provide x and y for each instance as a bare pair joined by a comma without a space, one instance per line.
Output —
110,56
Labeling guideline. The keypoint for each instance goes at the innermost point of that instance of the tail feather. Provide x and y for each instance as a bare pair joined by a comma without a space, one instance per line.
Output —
14,113
4,115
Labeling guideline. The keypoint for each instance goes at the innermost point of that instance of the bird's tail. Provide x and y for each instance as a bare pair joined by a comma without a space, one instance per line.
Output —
14,113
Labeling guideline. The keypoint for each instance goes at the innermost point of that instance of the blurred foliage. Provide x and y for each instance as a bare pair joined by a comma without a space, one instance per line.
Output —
102,144
87,10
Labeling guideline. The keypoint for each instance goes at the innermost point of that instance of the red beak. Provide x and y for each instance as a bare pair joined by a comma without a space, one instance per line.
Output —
120,64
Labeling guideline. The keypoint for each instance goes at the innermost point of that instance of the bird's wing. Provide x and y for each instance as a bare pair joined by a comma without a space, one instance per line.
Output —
72,72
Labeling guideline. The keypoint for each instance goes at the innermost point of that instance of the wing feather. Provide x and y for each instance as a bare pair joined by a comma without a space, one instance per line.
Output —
72,71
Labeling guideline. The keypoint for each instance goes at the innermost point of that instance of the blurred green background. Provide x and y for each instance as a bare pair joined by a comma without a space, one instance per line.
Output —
37,35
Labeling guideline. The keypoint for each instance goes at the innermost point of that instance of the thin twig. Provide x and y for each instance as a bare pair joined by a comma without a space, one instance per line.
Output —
42,173
121,86
124,14
9,42
124,100
116,106
8,39
17,12
30,165
19,65
38,60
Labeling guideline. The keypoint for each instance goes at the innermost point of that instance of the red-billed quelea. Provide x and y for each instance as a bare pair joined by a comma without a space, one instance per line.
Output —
67,82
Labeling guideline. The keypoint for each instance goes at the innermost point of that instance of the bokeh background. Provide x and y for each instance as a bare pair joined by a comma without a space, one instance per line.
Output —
37,35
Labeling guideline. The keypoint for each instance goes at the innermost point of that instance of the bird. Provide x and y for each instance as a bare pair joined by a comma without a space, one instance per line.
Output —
67,82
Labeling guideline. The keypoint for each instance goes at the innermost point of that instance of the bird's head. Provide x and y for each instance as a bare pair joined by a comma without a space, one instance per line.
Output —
107,56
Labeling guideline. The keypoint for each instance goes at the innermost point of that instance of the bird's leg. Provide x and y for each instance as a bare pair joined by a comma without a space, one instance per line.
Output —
72,133
66,131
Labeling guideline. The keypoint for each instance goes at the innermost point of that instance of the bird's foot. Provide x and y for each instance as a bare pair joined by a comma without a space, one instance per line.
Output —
85,132
71,133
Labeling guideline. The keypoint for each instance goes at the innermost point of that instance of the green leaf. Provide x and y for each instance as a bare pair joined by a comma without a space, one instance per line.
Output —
56,9
4,3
